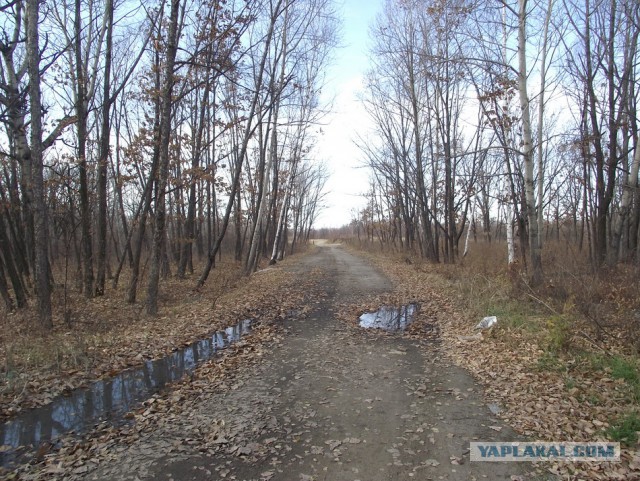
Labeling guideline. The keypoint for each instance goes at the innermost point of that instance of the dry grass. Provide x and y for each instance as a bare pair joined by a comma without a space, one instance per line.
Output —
79,322
577,312
599,307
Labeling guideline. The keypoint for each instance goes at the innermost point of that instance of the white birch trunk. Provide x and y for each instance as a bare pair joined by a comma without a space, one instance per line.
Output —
466,240
511,248
630,186
527,148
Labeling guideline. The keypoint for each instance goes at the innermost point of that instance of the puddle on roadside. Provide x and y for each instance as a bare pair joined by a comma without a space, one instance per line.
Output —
389,318
108,399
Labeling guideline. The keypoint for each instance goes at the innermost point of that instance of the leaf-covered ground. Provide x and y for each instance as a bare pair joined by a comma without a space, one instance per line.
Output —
106,335
308,398
538,396
311,396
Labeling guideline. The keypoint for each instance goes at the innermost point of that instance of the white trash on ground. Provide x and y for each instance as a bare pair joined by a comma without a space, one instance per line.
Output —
487,322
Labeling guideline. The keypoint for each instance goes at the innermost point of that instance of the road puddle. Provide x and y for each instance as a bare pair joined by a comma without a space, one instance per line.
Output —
108,399
389,318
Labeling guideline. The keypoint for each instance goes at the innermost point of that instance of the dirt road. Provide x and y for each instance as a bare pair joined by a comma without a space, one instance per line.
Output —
331,403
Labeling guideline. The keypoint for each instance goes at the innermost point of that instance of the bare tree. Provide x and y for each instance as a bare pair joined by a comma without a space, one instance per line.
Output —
41,232
163,171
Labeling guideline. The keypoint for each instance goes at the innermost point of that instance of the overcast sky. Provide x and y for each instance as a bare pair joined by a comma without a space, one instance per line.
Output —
336,146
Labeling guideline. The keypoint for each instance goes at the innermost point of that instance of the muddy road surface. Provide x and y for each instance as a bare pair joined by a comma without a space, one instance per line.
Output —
331,403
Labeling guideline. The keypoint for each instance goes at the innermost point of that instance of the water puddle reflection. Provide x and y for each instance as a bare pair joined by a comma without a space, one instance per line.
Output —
389,318
109,399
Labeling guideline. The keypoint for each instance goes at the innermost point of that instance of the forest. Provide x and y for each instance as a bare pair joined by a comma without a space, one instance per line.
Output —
504,120
138,136
161,182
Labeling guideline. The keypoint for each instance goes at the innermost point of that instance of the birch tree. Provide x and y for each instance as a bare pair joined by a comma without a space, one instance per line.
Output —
535,251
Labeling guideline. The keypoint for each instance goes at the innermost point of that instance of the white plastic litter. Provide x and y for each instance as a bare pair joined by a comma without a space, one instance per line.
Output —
487,322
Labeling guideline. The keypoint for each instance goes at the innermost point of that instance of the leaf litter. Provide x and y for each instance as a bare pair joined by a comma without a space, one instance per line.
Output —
220,436
534,402
272,297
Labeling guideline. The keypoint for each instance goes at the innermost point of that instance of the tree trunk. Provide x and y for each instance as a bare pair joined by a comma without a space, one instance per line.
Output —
630,185
511,249
103,160
4,290
16,282
260,231
41,233
535,253
238,226
145,203
163,172
17,133
281,225
540,133
121,211
190,222
81,130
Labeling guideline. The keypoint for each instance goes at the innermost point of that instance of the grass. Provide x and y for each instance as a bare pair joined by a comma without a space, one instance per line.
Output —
620,367
625,429
512,314
58,352
569,383
595,400
558,334
549,361
484,293
627,370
